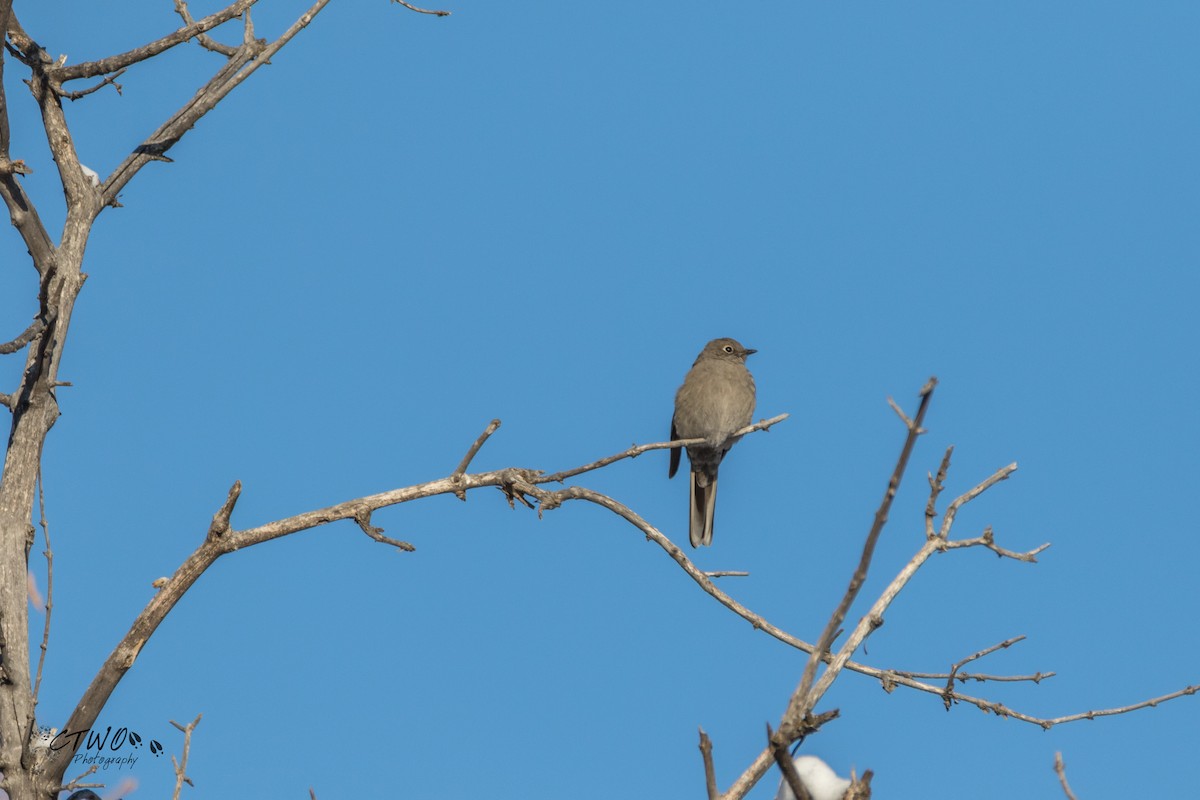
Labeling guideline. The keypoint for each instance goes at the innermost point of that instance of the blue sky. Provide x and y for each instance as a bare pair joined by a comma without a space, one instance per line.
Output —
407,226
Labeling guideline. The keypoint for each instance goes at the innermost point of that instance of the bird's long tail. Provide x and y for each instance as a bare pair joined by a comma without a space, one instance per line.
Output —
704,503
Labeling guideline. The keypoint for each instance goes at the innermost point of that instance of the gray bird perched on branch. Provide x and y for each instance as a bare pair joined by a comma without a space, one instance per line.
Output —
715,401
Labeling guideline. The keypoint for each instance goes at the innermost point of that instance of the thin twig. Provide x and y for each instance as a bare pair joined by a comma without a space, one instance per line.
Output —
181,776
364,521
805,697
974,657
963,677
908,423
75,782
1061,769
203,39
411,7
936,485
952,510
110,79
1109,712
461,469
492,427
987,539
637,449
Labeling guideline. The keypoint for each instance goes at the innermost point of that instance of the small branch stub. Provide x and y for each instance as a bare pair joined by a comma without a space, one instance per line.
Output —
220,520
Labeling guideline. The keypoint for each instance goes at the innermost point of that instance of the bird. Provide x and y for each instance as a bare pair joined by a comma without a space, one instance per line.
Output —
819,780
715,401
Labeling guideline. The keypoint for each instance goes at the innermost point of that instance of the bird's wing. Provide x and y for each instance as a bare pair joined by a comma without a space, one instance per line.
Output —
674,452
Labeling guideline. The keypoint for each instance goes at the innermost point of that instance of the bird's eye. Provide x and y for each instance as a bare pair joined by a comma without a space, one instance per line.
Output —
728,349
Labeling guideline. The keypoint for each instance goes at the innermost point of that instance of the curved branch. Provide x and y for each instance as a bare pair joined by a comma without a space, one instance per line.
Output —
221,539
411,7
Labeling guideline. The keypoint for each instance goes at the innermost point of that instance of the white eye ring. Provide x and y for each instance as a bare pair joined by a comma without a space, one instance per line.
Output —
728,349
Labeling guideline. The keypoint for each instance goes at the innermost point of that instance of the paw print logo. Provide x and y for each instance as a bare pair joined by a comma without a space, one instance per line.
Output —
155,747
135,740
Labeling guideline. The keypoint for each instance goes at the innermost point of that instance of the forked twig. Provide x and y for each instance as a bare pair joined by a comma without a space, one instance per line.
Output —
181,776
804,699
948,699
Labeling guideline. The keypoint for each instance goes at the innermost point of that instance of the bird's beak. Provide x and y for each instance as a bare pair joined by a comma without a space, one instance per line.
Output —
750,351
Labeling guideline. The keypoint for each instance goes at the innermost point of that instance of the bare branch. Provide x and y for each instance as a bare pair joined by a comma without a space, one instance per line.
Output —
220,520
805,698
203,39
987,539
963,677
948,518
75,784
936,485
411,7
103,66
181,776
492,427
516,483
110,79
637,450
1061,769
364,521
1109,712
710,775
974,657
35,329
908,423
